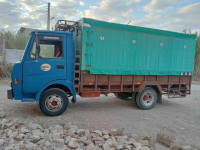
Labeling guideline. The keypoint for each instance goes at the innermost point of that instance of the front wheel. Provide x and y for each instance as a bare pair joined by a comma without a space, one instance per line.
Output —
53,102
147,99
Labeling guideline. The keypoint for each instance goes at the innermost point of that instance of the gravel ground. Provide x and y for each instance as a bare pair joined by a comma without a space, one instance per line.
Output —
179,118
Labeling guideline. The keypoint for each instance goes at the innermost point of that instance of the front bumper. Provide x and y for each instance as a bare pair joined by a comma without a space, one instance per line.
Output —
10,94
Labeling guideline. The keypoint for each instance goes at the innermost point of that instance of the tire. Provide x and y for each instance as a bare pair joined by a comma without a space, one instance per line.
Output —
134,98
147,99
123,96
53,102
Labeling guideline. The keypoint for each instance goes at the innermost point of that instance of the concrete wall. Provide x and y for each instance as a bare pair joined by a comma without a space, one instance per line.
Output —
13,55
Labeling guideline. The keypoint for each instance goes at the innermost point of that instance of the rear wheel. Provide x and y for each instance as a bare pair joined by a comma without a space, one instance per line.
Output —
147,98
123,96
53,102
134,97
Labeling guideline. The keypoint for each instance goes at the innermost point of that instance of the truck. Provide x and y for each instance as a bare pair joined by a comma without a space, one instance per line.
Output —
91,57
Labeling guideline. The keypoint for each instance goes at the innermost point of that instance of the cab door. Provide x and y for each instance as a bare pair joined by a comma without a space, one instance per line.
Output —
45,62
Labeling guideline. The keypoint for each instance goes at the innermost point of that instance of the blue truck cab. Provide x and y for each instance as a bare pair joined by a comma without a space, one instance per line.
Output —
46,72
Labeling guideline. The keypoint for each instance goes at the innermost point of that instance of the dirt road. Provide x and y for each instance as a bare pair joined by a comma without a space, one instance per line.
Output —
179,118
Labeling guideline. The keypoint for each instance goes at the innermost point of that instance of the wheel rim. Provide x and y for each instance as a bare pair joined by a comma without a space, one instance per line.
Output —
54,102
148,98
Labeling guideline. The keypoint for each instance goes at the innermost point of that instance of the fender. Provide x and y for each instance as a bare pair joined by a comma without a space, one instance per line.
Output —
144,84
66,83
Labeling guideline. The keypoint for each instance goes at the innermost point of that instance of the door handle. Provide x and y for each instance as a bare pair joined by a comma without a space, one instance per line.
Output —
60,67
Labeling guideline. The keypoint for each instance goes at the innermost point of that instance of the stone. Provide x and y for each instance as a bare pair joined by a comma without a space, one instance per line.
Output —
94,135
2,141
46,131
58,127
29,146
88,142
105,132
91,147
164,139
9,148
83,138
146,138
34,126
41,142
113,132
6,125
67,125
47,143
145,142
76,136
87,132
106,137
74,127
56,136
71,131
37,132
97,132
24,130
35,138
143,148
111,143
60,140
67,139
2,114
98,140
120,147
106,146
137,145
18,138
12,141
121,139
80,132
9,132
73,144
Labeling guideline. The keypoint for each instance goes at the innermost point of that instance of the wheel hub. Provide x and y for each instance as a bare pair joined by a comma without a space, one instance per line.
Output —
54,102
145,97
148,99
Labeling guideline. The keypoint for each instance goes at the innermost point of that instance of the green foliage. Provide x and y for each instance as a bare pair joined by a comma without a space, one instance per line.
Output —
21,41
197,60
15,41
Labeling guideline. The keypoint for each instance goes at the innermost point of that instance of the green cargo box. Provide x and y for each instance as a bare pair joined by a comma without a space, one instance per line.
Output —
116,49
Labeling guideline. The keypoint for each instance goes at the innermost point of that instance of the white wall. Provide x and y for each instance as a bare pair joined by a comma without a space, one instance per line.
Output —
13,55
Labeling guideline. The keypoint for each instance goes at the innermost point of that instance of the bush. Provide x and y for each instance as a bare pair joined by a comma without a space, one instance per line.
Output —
5,71
197,61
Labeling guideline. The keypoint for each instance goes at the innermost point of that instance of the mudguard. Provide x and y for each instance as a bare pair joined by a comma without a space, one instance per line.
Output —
66,83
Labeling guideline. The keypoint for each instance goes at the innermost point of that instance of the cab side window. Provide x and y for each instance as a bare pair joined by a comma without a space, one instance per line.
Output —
51,49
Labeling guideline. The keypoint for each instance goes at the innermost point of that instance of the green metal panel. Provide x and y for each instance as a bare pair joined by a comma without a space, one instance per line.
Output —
109,48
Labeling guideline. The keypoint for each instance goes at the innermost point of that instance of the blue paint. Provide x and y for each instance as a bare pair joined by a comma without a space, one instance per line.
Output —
32,80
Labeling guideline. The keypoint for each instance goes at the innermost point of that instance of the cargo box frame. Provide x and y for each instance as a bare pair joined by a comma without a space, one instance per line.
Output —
92,85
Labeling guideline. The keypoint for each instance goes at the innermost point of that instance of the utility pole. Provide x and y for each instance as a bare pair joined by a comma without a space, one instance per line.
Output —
48,17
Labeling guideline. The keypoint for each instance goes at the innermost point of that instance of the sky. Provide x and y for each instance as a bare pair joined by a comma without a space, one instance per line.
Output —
172,15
